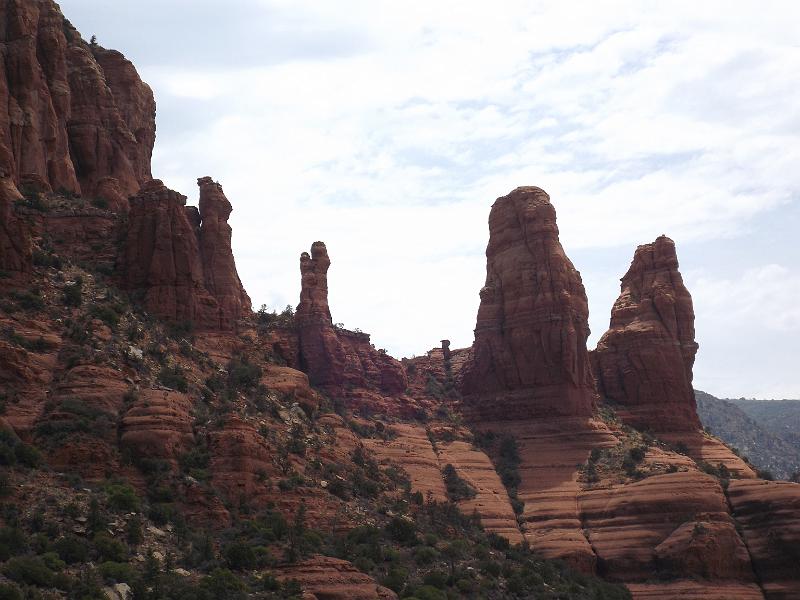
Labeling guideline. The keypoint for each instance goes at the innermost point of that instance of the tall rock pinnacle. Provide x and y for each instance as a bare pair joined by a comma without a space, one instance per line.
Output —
219,267
529,357
644,361
337,359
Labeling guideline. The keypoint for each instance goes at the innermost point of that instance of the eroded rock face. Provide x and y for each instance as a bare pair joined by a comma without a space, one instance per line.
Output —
180,260
338,359
161,257
529,357
16,261
644,361
326,578
70,112
677,523
769,515
158,425
219,267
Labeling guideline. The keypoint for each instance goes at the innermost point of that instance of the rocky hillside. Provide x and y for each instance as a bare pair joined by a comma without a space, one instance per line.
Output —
159,439
764,434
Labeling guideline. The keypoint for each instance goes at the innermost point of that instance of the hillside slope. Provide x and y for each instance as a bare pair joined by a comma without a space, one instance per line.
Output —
764,441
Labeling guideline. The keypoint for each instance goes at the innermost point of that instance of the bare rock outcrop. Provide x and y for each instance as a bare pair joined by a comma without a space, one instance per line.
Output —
71,113
769,515
16,262
337,359
219,268
326,578
529,357
179,260
644,361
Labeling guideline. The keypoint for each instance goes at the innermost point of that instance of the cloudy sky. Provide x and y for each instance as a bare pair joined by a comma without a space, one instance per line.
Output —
387,129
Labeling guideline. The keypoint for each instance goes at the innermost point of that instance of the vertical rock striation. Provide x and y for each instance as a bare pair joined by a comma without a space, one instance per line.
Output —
529,358
219,267
72,114
644,361
180,260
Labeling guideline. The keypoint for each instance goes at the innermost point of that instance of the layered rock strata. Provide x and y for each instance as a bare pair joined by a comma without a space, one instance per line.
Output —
529,357
644,361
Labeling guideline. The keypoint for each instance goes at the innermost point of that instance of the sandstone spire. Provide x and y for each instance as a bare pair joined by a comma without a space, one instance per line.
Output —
644,361
529,357
219,266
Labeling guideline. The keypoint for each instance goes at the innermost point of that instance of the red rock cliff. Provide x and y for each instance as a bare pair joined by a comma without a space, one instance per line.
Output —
337,359
644,361
529,357
15,246
71,113
180,261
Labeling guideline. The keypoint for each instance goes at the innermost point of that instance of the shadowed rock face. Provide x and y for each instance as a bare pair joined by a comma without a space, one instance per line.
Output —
337,359
180,260
219,267
644,361
15,245
529,357
76,113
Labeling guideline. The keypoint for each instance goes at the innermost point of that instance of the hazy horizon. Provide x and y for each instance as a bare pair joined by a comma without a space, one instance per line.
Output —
387,131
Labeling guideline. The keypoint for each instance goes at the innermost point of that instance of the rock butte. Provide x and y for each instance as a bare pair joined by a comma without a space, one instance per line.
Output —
76,118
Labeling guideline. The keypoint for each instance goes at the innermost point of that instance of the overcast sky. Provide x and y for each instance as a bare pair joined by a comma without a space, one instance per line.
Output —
387,129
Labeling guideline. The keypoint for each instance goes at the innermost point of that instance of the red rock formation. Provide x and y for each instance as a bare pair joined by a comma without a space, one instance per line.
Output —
677,523
241,463
219,267
16,261
66,115
326,578
644,361
529,357
180,261
338,359
769,515
161,257
158,425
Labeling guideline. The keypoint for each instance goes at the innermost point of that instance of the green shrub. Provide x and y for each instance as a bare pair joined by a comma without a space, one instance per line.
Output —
457,488
395,579
9,591
224,585
30,570
117,572
13,541
173,377
122,496
240,556
402,531
72,549
73,293
109,549
426,555
242,374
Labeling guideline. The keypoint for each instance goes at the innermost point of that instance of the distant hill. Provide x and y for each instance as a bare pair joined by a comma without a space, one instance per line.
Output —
767,432
779,416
